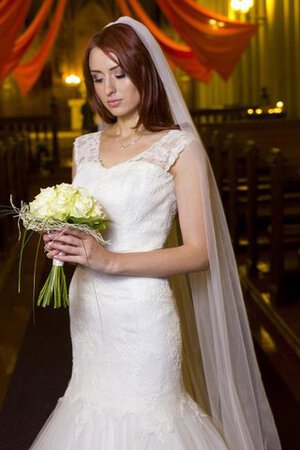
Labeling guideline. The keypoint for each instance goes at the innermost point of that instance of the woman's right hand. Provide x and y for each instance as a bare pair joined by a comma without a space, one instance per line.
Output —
48,238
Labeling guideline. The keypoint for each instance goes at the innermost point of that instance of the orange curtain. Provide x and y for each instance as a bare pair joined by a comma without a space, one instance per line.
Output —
3,6
179,54
12,17
24,41
217,47
204,14
124,7
26,74
212,41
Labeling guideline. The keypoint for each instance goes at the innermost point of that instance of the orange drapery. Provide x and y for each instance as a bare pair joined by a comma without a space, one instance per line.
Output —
203,14
218,48
179,54
124,7
3,6
24,41
211,47
12,16
26,74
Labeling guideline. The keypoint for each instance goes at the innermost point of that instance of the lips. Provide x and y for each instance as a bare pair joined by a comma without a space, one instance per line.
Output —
113,103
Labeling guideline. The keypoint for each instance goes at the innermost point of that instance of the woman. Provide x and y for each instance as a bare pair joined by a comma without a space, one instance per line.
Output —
127,391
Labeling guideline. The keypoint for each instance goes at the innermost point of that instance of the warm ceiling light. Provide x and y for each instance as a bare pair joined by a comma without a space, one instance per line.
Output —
279,104
72,80
241,5
216,23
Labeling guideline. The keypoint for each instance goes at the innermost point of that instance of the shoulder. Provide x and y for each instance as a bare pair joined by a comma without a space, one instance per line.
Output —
179,137
85,146
86,138
175,143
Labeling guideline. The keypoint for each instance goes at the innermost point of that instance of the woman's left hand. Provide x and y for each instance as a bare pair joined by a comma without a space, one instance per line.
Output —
78,248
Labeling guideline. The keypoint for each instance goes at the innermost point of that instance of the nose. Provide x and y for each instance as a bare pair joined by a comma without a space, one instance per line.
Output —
109,87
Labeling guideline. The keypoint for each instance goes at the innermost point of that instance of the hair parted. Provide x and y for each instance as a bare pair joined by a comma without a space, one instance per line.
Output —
135,60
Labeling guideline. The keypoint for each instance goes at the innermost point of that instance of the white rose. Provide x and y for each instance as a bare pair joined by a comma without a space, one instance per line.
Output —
65,189
65,195
41,205
97,211
82,205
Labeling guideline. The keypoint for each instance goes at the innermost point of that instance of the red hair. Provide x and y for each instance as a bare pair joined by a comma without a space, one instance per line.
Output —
135,60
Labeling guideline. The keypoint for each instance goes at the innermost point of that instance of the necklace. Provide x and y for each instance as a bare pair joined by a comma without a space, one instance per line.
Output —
123,147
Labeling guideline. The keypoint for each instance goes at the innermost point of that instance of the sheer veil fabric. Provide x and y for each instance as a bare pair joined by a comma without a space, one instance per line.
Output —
220,367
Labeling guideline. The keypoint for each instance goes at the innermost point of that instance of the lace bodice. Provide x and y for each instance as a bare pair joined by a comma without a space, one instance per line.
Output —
138,194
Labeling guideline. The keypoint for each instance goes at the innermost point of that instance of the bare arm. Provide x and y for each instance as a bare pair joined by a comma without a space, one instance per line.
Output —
192,254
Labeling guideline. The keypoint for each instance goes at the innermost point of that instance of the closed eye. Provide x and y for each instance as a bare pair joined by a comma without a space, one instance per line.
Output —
119,77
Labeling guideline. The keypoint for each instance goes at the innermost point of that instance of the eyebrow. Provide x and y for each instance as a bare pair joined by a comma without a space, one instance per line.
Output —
99,71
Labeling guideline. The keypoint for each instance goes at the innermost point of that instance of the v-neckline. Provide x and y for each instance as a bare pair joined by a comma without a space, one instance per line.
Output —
159,141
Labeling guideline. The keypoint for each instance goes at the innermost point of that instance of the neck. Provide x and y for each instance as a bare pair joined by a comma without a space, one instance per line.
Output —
125,126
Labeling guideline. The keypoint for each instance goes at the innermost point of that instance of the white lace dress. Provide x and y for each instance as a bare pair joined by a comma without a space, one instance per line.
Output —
126,391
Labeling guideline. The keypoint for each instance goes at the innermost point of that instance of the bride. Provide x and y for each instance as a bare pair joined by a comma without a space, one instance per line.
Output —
142,378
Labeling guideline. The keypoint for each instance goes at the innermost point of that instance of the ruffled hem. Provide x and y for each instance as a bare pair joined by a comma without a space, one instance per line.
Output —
77,426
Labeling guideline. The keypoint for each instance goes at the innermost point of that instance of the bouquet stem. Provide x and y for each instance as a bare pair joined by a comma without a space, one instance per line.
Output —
55,287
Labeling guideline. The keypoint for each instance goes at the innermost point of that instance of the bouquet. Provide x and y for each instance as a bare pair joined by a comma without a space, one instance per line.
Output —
58,208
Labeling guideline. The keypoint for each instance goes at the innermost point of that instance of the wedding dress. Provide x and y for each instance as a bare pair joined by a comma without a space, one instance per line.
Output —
126,391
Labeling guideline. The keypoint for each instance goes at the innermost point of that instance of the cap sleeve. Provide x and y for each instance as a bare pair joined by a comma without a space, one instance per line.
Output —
166,151
176,144
85,148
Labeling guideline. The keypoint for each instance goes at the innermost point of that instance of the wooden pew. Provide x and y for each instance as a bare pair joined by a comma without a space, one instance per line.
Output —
214,147
13,180
41,132
273,220
284,230
228,161
281,134
252,195
232,114
228,155
4,196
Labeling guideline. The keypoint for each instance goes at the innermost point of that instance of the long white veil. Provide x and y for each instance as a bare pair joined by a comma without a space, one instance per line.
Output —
220,366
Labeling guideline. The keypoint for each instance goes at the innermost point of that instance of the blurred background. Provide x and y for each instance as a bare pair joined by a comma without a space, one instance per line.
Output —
237,63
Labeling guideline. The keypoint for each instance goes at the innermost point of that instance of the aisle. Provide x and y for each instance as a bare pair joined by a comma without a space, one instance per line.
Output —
40,377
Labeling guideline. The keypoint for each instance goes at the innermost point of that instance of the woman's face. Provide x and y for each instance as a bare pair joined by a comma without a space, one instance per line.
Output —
113,87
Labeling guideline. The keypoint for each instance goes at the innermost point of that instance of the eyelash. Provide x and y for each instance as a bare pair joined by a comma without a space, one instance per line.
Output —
119,77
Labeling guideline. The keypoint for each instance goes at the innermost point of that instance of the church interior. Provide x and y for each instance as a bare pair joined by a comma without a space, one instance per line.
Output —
237,63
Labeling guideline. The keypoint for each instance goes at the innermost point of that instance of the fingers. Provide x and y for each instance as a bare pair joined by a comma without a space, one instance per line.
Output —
71,259
54,254
70,232
48,237
71,244
64,239
68,249
67,239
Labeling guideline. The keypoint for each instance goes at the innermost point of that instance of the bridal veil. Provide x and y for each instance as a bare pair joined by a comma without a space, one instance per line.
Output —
220,367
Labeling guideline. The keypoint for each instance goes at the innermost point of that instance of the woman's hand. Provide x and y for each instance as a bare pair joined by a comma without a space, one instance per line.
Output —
78,248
